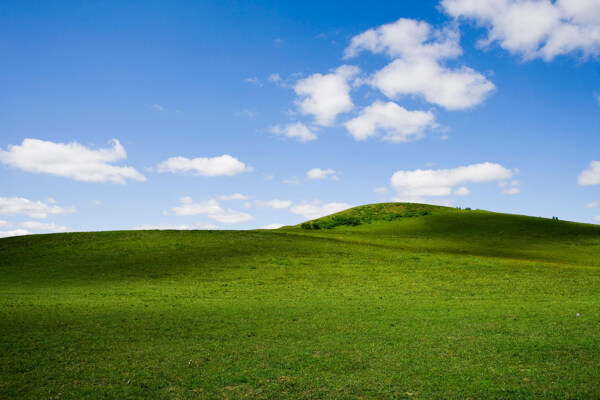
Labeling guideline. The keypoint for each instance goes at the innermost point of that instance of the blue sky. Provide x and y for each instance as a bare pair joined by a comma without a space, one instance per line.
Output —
155,114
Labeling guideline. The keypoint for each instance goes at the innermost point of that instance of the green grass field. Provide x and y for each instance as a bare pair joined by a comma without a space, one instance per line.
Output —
449,304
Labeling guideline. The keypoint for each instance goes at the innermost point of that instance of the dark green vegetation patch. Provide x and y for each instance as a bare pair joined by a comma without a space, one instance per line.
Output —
368,214
456,304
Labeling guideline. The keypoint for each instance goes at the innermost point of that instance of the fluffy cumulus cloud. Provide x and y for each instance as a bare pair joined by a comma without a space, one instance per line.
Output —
224,165
318,173
393,122
212,209
33,209
406,38
326,96
590,176
297,131
274,204
419,51
71,160
417,184
535,28
317,209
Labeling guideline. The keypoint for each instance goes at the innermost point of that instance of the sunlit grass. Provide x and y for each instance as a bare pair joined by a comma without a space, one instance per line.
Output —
456,304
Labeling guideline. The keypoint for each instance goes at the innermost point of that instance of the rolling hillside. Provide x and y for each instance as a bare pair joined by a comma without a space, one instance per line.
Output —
388,300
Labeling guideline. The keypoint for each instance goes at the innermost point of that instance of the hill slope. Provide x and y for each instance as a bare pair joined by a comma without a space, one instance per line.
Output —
439,229
448,304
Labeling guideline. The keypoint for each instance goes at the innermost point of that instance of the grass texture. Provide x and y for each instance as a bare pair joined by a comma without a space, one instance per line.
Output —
440,304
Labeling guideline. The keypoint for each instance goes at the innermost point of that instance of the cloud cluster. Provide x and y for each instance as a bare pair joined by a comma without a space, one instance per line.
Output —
224,165
590,176
212,209
317,209
419,51
395,123
418,68
535,28
71,160
417,184
326,96
33,209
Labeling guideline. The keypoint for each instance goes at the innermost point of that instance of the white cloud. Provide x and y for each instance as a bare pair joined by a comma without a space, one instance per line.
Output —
326,96
42,226
318,173
593,204
462,191
590,176
291,181
15,232
70,160
535,28
406,38
272,226
230,216
414,185
274,78
380,190
297,131
317,209
275,204
33,209
157,107
164,226
597,218
452,89
419,50
34,225
254,80
188,207
224,165
212,209
396,123
247,112
235,196
511,190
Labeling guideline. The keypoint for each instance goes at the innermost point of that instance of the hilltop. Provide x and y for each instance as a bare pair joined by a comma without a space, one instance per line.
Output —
399,301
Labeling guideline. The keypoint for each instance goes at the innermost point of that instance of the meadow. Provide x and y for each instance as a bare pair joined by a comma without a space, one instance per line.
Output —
397,301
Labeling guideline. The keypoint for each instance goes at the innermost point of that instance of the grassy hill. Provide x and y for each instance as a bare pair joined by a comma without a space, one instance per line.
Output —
400,301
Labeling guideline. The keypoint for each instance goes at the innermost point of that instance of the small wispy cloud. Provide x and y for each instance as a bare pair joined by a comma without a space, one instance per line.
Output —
156,107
